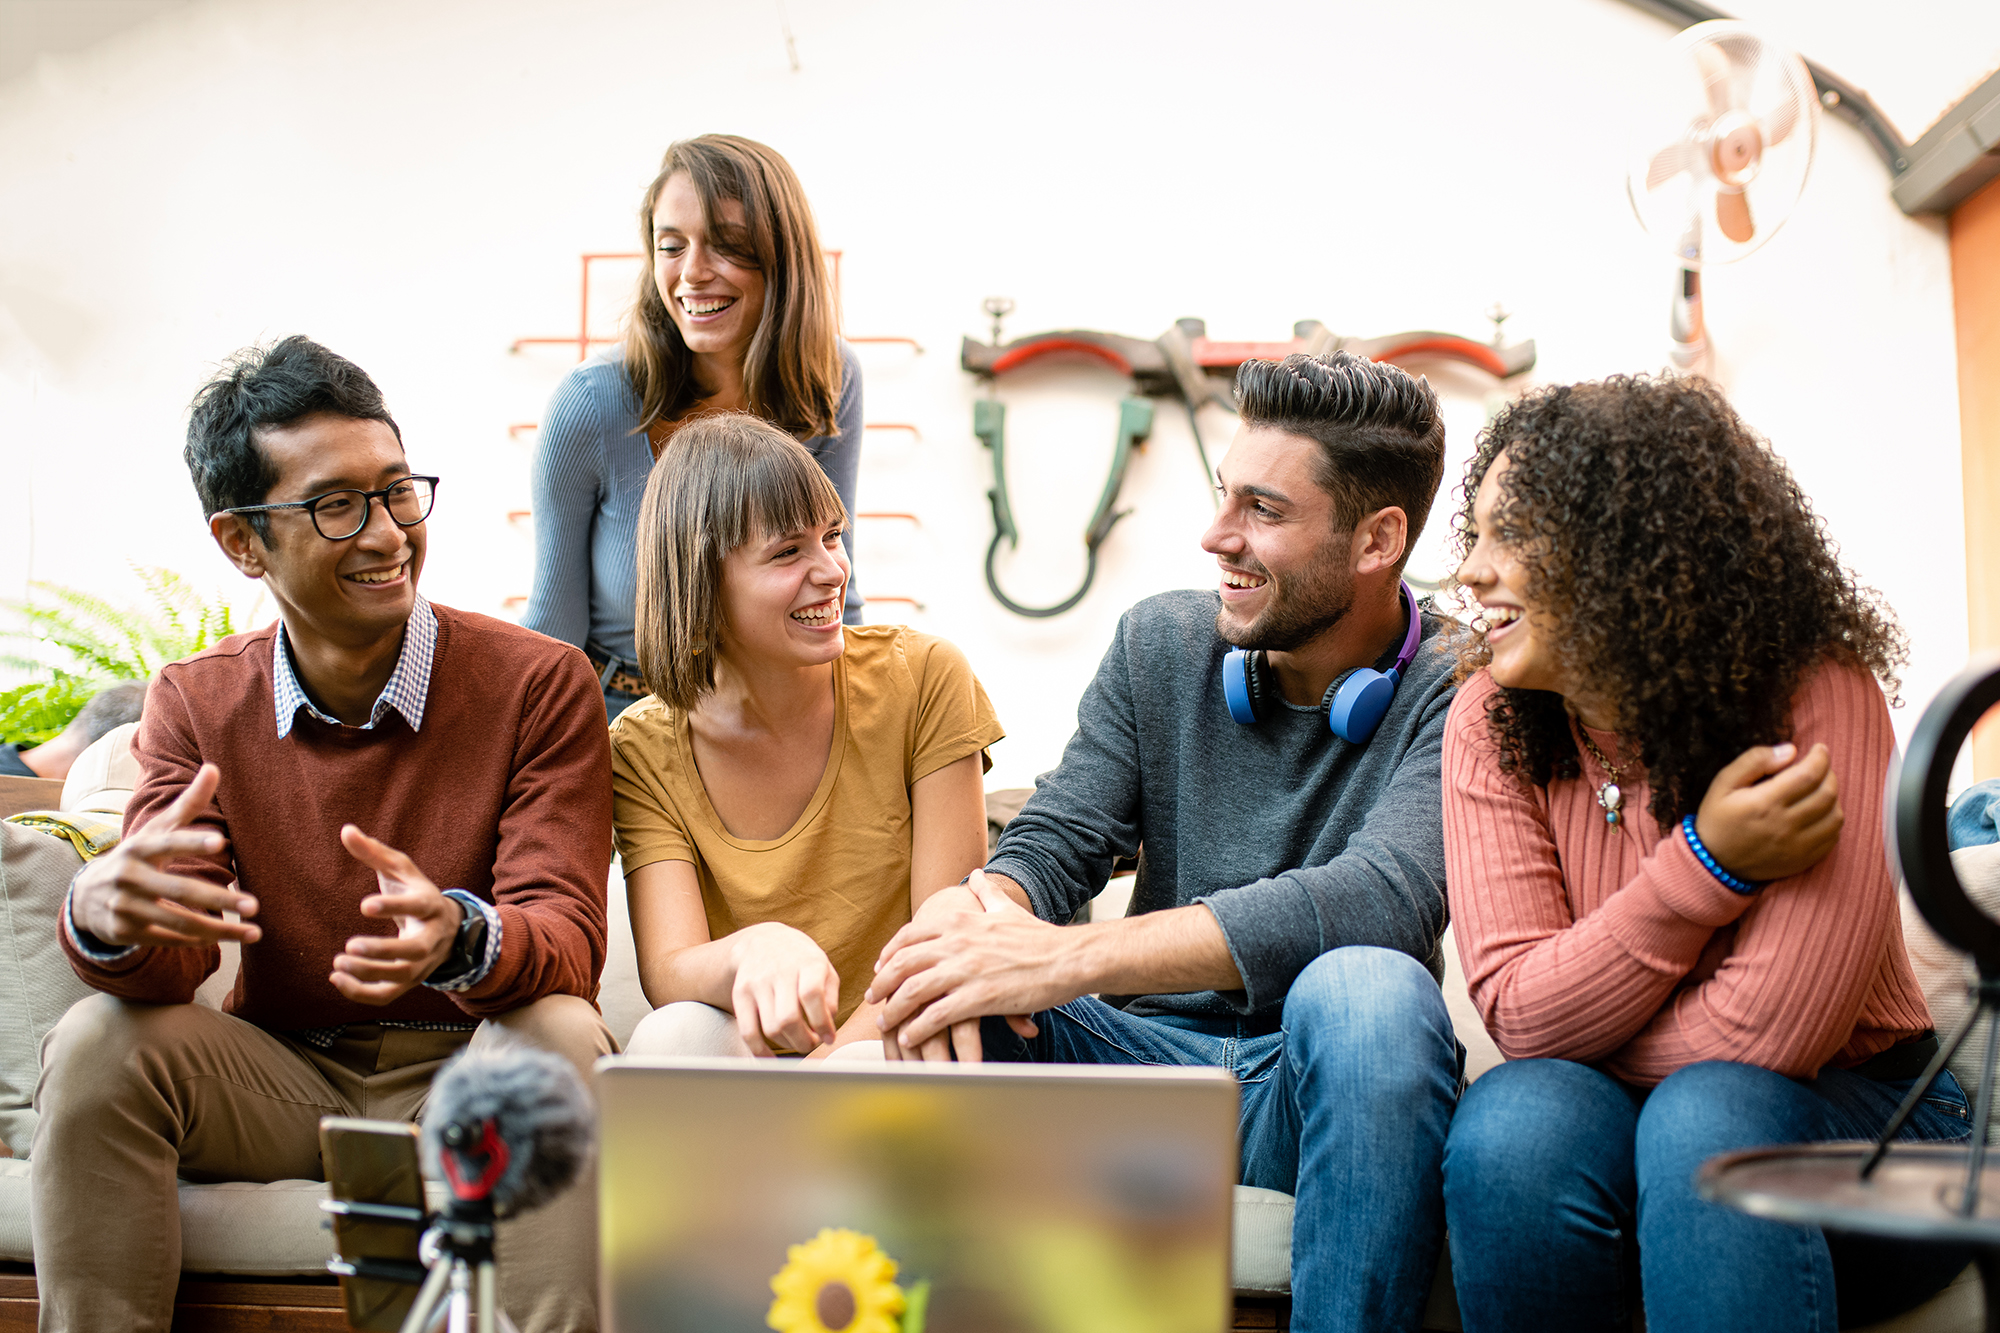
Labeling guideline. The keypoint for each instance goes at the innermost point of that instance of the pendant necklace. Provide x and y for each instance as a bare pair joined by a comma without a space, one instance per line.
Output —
1609,795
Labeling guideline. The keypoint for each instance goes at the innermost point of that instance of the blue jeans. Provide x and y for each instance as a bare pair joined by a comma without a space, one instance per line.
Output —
1344,1107
1555,1173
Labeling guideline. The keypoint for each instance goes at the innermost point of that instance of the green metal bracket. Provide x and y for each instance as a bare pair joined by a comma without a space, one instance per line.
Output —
989,423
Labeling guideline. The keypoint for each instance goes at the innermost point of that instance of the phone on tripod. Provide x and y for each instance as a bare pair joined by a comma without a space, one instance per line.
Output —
378,1211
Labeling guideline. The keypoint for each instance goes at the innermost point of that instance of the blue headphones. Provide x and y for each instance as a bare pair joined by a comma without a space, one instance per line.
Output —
1355,703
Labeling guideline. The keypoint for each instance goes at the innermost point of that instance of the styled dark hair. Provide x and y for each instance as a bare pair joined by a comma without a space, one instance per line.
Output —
1690,582
112,706
1380,431
727,479
791,372
261,387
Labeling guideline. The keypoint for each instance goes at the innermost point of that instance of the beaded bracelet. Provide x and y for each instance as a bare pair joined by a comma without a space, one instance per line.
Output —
1701,854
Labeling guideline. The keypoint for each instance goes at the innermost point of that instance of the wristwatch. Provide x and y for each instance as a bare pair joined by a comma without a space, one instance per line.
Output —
468,947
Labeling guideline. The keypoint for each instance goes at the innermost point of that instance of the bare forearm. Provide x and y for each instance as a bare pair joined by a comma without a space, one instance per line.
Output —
1154,953
705,972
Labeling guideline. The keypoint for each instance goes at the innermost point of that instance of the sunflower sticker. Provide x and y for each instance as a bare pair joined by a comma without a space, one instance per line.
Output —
840,1281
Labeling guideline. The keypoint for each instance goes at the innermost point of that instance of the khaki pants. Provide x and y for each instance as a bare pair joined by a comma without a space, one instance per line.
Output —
133,1096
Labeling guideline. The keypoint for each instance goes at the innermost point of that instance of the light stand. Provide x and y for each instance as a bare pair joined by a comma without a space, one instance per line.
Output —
1920,842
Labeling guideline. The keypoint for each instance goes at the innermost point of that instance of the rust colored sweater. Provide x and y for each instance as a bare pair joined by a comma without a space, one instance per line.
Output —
1613,946
505,793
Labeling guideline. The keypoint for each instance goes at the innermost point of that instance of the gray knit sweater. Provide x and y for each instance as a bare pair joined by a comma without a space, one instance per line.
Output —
1297,841
591,463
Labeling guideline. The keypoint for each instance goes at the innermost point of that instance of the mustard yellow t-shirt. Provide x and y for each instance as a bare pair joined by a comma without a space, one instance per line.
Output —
905,705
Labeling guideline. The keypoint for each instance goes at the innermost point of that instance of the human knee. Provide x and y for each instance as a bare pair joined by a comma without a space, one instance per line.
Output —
687,1028
1715,1106
564,1025
1363,998
103,1035
1528,1125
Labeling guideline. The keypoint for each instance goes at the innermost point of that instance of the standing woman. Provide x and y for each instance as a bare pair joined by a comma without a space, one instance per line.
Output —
793,787
735,313
1664,850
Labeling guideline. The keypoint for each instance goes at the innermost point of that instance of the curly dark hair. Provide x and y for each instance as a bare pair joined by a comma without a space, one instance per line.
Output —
1694,586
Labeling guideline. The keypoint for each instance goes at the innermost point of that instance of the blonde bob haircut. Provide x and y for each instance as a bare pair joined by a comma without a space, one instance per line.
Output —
727,479
791,370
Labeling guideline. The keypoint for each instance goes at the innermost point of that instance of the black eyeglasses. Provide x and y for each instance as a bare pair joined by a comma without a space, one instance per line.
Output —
338,515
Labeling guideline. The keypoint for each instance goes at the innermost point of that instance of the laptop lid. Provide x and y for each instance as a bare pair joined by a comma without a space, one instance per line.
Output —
739,1196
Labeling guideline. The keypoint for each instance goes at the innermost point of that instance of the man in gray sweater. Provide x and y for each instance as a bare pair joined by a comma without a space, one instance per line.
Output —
1286,919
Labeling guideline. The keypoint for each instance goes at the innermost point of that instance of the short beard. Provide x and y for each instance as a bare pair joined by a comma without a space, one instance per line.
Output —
1324,596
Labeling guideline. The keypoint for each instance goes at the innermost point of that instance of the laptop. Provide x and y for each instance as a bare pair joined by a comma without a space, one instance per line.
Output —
741,1196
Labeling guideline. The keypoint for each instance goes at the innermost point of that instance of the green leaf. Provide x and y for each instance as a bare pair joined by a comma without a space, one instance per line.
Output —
84,634
916,1303
39,710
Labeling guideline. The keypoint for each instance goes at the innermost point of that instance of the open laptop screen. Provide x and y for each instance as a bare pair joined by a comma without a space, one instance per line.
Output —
740,1195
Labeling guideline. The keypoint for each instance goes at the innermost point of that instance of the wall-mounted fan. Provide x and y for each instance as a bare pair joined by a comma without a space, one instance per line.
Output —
1729,156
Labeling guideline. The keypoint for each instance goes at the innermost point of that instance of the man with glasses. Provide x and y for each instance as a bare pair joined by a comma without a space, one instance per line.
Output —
401,814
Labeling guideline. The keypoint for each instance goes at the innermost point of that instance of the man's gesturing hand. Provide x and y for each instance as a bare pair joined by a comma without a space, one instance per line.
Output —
948,968
376,969
124,898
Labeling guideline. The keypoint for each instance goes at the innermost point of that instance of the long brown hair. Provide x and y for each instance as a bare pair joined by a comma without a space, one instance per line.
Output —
791,374
725,480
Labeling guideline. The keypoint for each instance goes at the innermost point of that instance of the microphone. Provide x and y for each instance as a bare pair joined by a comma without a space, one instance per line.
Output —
506,1129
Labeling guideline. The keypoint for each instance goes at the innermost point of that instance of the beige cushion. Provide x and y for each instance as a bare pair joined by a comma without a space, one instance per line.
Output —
1260,1262
274,1230
37,984
1946,975
105,774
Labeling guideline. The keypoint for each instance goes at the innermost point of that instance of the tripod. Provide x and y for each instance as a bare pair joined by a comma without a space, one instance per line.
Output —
458,1251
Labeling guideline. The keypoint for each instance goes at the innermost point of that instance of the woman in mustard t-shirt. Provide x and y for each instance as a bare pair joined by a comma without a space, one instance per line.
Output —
792,788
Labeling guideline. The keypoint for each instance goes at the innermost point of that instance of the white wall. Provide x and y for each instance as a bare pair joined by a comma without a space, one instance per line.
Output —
411,184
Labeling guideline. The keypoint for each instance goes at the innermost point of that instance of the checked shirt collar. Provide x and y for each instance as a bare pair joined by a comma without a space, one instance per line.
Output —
408,685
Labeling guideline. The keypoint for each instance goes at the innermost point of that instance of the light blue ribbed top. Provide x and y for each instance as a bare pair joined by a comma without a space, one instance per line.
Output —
590,468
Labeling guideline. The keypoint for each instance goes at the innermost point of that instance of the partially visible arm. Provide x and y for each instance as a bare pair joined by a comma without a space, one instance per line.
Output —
997,958
774,979
947,827
567,486
1609,987
554,848
1085,815
840,458
677,959
1385,888
169,760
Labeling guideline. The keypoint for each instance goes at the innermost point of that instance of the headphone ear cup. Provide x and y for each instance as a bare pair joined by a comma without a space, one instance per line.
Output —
1243,685
1359,703
1236,686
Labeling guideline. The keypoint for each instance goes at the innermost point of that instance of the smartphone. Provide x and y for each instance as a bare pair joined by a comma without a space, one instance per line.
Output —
377,1203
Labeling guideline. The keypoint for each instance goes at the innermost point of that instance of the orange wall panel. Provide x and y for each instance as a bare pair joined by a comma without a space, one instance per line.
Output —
1975,283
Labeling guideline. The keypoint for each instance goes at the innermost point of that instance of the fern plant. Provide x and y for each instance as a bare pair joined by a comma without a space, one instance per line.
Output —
84,642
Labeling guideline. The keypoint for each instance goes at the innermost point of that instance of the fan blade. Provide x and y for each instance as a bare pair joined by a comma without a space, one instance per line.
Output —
1715,77
1732,214
1668,163
1783,120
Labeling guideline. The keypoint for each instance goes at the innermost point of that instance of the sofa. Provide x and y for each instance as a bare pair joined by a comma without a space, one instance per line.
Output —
273,1231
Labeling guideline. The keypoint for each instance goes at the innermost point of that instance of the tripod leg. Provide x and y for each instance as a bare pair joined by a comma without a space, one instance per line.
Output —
1988,1259
461,1298
424,1309
488,1302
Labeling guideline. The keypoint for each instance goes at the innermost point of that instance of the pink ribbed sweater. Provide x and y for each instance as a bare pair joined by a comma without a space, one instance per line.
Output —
1614,947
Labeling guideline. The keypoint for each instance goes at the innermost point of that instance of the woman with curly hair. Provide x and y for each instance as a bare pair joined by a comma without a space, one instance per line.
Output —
1663,835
